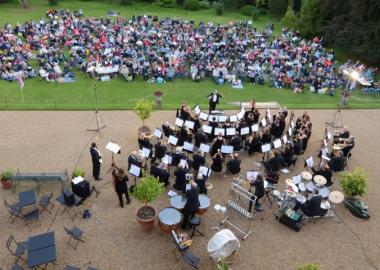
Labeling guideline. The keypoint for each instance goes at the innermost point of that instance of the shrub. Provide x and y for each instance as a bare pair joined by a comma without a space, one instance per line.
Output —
263,11
7,174
277,7
148,189
180,2
53,2
309,266
255,14
78,172
290,19
126,2
354,183
247,10
191,5
219,8
167,3
204,4
143,109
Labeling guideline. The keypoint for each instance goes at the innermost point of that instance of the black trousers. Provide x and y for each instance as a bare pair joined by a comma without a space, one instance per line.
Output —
187,215
120,195
95,170
212,107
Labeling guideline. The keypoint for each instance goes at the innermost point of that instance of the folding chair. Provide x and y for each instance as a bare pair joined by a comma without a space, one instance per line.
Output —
17,249
14,210
45,202
74,233
30,216
70,267
17,267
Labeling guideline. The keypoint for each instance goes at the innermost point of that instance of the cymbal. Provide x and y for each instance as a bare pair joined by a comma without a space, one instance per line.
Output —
320,180
289,182
306,175
336,197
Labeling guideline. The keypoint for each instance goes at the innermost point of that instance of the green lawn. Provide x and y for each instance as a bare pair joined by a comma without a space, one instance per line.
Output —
118,94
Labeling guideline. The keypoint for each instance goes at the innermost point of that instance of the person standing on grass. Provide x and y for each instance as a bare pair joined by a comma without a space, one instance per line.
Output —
96,161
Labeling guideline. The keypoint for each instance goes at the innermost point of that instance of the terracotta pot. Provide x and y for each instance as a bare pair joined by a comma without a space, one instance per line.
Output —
144,130
6,184
146,225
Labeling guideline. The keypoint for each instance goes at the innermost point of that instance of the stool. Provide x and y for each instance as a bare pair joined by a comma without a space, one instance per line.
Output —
194,223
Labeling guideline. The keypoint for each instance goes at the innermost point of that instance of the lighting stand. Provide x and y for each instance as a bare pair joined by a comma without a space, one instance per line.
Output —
99,119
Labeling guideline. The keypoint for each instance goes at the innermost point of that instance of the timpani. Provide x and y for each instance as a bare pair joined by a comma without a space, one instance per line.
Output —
204,204
169,219
178,202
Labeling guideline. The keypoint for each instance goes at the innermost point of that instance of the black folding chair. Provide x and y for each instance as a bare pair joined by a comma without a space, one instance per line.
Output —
45,202
70,267
17,249
74,233
14,210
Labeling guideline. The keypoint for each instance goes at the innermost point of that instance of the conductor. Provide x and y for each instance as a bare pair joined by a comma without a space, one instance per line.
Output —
213,99
96,161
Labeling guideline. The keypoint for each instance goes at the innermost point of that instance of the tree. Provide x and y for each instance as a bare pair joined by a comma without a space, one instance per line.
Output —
290,19
310,21
143,109
277,7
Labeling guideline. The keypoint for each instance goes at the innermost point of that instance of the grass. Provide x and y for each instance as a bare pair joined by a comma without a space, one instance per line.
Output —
118,94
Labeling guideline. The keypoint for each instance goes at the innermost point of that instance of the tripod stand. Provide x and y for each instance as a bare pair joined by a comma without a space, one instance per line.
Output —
99,119
337,121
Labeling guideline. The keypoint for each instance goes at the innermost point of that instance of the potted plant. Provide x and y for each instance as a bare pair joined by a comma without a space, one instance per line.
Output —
354,184
222,265
78,172
146,191
309,266
143,109
5,179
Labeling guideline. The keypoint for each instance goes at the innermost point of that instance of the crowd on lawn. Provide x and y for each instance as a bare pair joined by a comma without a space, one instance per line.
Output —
163,49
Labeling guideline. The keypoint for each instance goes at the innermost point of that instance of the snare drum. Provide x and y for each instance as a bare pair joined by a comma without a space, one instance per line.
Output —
302,187
178,202
310,186
324,192
169,219
204,202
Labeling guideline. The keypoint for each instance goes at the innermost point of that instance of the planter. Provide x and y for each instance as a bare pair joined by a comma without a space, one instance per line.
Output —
6,184
144,130
146,216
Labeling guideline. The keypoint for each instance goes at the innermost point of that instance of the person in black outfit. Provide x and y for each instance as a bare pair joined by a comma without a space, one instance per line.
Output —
159,171
253,144
120,180
180,179
337,162
233,165
259,190
217,162
213,100
177,156
288,155
159,150
342,135
198,160
96,161
191,206
235,142
201,182
200,137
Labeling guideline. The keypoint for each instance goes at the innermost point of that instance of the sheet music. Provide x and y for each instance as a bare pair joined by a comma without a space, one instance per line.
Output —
326,158
205,171
77,180
230,131
240,115
290,131
169,159
263,122
146,152
197,110
135,170
285,170
179,122
252,175
244,131
189,124
203,116
233,118
188,187
269,114
292,124
329,135
265,148
227,149
217,131
255,128
309,162
158,133
183,163
222,118
173,140
113,147
188,147
324,142
205,148
207,129
285,138
277,143
211,118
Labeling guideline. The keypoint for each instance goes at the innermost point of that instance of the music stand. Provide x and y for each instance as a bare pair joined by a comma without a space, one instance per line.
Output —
99,120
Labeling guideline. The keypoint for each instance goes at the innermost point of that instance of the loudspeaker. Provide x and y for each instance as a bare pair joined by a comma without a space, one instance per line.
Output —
69,198
82,189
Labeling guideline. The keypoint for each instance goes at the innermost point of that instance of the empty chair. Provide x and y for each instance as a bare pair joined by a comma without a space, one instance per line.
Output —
74,233
30,216
70,267
17,249
14,211
45,202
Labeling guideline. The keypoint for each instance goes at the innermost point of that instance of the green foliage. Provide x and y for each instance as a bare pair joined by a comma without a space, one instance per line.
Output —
219,8
310,21
204,4
148,189
290,19
228,4
222,265
354,183
247,10
191,5
78,172
143,109
261,3
263,11
309,266
277,7
126,2
53,2
6,174
255,14
167,3
180,2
